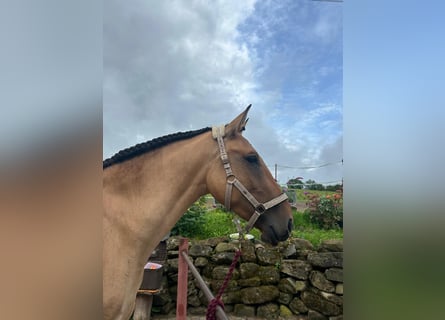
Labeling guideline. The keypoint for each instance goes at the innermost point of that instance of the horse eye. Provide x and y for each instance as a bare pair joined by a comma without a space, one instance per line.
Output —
252,158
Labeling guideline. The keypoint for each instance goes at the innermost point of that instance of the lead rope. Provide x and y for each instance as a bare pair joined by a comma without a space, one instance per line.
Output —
211,309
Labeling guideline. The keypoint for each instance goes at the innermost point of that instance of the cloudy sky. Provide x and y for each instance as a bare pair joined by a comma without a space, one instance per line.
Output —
174,66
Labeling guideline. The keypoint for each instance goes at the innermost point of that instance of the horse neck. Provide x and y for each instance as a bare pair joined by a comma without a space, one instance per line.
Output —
159,187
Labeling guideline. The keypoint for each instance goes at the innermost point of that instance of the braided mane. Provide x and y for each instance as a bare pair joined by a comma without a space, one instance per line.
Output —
141,148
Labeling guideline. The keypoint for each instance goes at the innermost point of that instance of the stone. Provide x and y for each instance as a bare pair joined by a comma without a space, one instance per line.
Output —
326,259
285,298
340,317
172,265
193,300
173,290
267,256
196,310
334,274
203,298
314,315
220,272
302,254
319,281
289,251
198,250
302,244
248,252
318,303
207,271
225,247
162,298
240,310
339,288
338,300
212,242
231,297
217,284
172,254
227,308
169,306
334,245
290,285
269,275
268,311
191,285
285,312
297,306
223,257
296,268
173,243
257,295
201,262
250,282
248,270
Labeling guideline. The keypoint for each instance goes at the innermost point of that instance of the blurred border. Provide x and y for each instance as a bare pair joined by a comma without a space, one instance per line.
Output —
393,156
51,160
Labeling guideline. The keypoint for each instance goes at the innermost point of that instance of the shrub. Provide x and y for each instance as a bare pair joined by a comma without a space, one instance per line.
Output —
217,223
192,222
326,211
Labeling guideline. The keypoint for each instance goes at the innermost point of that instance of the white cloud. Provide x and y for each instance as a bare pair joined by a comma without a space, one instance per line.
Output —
162,56
179,65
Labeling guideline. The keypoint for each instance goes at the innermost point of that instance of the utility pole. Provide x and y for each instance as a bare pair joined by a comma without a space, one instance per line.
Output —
276,172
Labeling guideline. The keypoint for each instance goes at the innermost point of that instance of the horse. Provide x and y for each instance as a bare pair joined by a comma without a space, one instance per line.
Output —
148,187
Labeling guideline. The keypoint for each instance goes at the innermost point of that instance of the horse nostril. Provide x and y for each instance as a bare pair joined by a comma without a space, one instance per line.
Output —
290,225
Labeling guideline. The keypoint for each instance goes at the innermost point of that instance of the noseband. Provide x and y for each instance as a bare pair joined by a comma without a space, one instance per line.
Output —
259,208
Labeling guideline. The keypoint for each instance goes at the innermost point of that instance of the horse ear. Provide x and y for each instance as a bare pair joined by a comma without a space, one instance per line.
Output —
238,124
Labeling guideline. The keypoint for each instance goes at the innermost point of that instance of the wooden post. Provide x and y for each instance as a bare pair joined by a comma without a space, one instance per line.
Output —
181,304
142,310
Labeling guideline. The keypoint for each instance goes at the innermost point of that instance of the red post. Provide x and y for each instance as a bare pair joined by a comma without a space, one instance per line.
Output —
181,304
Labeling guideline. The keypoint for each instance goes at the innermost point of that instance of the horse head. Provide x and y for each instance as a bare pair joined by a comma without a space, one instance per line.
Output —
239,178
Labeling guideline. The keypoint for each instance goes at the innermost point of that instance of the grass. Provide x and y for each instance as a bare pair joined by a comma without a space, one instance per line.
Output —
219,223
305,230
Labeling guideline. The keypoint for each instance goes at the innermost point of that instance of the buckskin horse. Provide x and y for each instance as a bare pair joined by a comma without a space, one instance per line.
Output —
148,187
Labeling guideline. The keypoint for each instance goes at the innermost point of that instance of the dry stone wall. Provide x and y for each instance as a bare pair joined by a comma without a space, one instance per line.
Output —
292,280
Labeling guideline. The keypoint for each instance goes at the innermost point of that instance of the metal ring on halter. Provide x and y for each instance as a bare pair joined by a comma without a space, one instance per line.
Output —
260,208
231,181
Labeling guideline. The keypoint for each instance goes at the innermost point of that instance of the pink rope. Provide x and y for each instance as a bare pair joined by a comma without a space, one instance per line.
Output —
211,309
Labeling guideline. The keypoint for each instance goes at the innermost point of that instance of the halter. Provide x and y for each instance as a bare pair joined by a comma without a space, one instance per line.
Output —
259,208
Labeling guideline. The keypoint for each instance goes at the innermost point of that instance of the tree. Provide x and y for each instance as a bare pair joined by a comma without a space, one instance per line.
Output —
312,185
295,183
334,187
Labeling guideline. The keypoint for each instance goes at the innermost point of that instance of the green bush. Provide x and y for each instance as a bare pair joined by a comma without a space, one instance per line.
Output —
317,223
192,222
326,211
217,223
301,220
